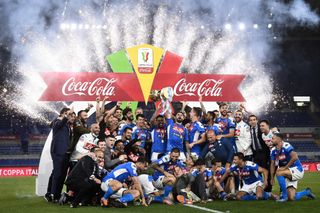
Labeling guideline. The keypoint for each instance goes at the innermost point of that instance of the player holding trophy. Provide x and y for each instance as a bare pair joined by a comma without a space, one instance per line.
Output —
165,95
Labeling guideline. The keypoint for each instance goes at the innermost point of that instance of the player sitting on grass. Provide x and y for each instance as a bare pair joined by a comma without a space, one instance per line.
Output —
164,167
152,194
203,180
114,187
181,190
220,190
248,172
290,167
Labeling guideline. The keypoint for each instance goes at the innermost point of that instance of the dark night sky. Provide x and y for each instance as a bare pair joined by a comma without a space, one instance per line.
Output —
299,63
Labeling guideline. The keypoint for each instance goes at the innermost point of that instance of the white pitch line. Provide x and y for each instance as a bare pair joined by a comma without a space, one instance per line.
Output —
205,209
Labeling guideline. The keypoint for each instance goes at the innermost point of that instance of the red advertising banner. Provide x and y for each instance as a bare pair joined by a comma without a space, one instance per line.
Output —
18,171
82,86
299,135
311,167
8,137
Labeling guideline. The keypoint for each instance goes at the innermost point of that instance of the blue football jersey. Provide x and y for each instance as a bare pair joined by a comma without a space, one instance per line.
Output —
141,134
196,130
248,174
282,156
224,125
214,127
123,126
207,173
159,139
177,134
219,173
167,165
122,172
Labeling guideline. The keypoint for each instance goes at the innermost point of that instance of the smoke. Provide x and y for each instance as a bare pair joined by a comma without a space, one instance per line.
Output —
218,36
295,13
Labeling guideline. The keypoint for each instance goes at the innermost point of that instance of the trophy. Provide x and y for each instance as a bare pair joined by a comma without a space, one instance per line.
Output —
165,95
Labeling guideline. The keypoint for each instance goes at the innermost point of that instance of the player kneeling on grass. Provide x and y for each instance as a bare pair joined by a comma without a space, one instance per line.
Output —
114,182
290,167
248,172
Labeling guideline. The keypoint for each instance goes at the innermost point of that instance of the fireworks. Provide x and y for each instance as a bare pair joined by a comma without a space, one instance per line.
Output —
233,37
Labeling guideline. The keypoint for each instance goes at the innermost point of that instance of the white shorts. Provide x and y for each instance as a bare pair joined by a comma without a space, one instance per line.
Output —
251,188
159,182
105,186
147,184
296,175
119,193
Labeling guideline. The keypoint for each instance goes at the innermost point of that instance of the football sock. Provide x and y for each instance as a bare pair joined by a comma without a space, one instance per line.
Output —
301,194
158,199
108,193
222,194
282,185
126,198
167,190
248,197
266,195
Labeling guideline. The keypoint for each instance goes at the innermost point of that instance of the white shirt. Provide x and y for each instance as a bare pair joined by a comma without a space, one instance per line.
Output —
85,143
267,138
243,138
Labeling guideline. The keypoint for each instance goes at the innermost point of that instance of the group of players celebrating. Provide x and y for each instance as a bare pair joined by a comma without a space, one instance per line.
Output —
198,156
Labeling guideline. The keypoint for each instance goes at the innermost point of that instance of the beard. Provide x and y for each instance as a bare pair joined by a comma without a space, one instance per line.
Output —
179,120
130,118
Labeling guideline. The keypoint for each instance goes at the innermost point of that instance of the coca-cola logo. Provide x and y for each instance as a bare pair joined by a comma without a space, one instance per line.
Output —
209,87
98,87
318,166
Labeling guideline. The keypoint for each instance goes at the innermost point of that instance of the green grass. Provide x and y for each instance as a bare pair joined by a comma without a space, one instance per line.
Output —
17,195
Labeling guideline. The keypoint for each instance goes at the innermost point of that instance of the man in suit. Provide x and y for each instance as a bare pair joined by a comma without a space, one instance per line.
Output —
61,137
261,152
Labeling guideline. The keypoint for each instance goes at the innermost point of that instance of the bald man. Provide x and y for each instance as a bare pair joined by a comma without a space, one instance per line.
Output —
86,143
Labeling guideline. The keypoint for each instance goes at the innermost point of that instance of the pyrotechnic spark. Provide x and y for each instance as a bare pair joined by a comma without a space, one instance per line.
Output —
212,36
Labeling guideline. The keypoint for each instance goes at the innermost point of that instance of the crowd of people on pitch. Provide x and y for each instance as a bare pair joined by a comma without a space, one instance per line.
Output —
197,156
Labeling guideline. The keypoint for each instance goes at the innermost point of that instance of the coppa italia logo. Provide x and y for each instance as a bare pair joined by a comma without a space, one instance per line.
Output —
136,71
145,60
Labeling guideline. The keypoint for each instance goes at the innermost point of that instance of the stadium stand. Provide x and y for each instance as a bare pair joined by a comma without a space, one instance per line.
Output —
12,155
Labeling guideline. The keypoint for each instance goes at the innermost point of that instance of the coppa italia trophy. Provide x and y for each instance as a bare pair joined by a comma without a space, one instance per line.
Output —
165,95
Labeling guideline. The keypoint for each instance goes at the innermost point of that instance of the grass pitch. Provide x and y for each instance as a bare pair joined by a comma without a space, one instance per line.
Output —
18,195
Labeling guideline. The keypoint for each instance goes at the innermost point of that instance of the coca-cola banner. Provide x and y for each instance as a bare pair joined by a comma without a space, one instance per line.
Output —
86,86
137,71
